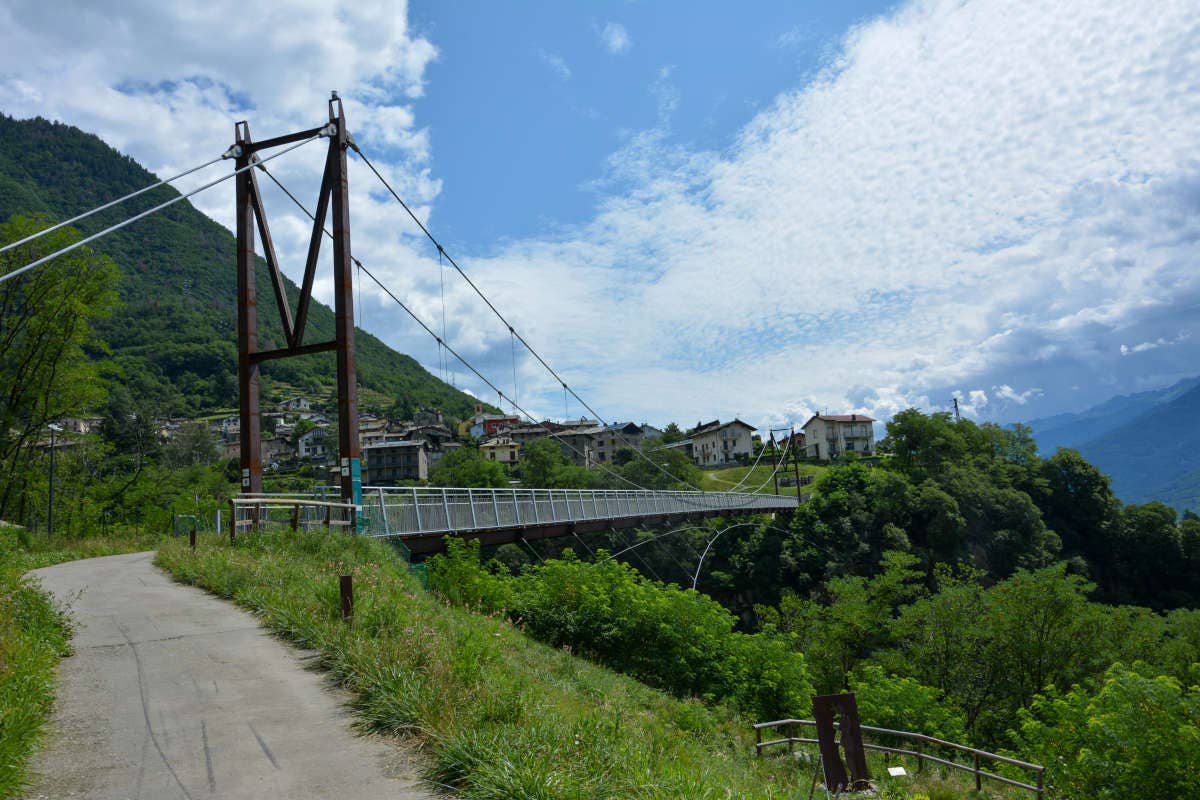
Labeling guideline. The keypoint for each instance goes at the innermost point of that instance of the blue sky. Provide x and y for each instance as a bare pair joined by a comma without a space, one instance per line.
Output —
695,210
527,101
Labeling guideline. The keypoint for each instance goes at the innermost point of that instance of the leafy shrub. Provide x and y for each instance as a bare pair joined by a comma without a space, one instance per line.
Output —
669,638
904,704
1136,736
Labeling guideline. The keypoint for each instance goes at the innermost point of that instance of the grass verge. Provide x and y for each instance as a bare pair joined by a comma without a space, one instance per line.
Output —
497,714
34,635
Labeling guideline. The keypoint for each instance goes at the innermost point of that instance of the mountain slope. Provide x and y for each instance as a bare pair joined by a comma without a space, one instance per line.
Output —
1075,430
174,341
1148,443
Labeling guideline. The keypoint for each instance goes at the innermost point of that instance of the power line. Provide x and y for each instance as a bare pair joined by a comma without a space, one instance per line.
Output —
148,212
118,201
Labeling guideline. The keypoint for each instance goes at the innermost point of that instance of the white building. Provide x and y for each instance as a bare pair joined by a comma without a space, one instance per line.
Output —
718,443
829,436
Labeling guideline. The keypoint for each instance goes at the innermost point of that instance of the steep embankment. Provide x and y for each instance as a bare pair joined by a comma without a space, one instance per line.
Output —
174,340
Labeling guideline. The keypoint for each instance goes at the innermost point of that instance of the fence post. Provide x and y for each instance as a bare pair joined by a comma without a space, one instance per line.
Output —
978,779
471,502
920,754
192,539
387,528
346,584
1041,785
296,517
446,508
758,742
232,520
417,506
496,507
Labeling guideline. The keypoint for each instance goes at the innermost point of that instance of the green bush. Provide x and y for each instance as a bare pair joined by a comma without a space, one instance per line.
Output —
669,638
1134,736
904,704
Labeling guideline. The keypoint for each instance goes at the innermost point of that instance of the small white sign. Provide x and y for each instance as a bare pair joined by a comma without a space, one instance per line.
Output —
897,772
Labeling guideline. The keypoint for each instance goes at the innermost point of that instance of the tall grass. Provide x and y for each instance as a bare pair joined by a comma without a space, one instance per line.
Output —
497,714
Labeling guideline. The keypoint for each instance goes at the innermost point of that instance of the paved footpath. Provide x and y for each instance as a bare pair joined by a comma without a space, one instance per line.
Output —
172,693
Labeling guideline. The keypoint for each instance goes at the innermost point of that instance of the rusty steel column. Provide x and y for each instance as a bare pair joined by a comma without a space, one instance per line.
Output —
343,281
248,389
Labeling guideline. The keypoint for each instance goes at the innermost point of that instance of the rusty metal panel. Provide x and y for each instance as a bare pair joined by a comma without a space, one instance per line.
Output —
831,711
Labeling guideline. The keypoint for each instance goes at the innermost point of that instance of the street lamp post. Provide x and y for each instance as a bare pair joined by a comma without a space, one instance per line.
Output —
50,515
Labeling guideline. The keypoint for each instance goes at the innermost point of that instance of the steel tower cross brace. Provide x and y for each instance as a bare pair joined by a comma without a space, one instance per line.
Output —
251,216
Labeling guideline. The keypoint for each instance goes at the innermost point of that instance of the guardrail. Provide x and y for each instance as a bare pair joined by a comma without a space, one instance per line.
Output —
391,511
254,510
921,741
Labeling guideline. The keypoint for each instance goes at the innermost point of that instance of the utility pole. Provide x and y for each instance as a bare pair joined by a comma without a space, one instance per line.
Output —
957,416
50,513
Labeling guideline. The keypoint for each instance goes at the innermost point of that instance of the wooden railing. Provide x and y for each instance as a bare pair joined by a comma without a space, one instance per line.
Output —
921,741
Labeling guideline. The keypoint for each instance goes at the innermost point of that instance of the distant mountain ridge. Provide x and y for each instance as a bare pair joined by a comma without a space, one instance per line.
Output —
174,340
1148,443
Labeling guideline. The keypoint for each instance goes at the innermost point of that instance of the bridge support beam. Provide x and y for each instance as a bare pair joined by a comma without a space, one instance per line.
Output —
251,216
429,543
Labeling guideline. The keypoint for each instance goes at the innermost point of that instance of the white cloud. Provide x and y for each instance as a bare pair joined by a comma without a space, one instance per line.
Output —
614,38
973,194
556,63
1006,392
1144,347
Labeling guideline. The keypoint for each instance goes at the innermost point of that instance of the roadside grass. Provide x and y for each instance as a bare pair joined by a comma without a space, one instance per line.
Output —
722,480
34,634
497,714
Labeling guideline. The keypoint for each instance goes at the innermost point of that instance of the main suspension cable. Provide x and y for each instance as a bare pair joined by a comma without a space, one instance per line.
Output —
118,201
9,275
442,252
444,344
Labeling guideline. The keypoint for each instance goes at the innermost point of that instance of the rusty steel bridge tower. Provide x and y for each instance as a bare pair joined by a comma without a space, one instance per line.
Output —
251,216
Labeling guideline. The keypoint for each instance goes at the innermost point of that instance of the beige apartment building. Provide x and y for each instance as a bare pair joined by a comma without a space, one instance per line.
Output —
829,436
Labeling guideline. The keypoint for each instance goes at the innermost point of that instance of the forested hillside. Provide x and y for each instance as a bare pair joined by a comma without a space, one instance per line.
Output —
173,338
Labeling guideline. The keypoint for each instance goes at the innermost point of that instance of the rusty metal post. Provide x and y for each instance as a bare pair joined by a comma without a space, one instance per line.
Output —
978,778
192,540
343,283
248,387
232,520
346,584
296,517
758,742
920,754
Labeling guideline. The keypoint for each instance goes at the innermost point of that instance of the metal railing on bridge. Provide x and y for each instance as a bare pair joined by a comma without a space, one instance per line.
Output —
392,511
421,511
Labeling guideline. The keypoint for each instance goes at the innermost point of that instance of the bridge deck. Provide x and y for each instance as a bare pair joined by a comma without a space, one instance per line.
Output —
422,516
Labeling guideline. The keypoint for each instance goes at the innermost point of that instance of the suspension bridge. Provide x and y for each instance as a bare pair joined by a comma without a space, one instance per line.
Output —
423,516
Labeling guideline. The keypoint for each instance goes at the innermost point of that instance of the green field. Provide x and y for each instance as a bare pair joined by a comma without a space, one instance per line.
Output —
723,480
